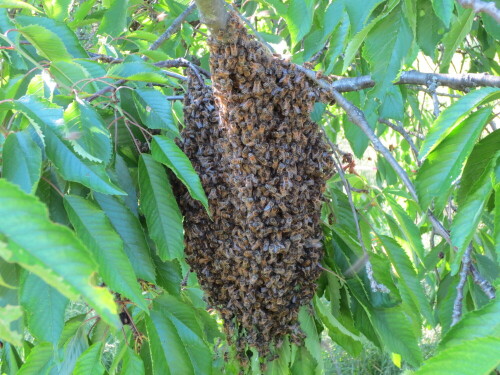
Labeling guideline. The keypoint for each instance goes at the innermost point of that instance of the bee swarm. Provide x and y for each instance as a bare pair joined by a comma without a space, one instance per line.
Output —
263,164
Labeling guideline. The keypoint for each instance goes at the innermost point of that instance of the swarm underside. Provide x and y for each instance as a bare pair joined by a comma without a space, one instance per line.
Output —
263,164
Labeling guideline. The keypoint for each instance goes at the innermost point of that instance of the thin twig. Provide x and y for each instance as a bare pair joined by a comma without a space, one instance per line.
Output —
376,287
457,305
405,135
53,186
105,58
484,284
174,27
439,93
482,6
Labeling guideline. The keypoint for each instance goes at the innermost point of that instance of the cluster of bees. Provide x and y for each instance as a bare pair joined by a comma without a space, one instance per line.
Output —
263,164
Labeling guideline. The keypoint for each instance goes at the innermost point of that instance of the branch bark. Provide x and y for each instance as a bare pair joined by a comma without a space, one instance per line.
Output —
173,27
457,305
213,14
461,82
482,6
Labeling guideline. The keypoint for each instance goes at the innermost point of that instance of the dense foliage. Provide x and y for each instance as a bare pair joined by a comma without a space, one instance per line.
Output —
93,277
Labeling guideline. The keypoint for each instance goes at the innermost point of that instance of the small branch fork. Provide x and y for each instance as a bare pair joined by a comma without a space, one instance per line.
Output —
457,305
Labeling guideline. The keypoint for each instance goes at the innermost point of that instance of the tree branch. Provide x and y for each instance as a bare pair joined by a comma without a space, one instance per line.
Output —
405,135
482,6
173,27
461,82
375,286
213,14
358,118
457,305
484,284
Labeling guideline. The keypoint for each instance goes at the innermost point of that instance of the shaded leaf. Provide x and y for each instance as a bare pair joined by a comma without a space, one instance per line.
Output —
408,277
158,204
47,42
167,152
39,361
132,364
49,119
8,315
451,117
89,363
22,161
44,309
95,230
130,230
177,338
444,10
445,162
155,111
49,250
92,139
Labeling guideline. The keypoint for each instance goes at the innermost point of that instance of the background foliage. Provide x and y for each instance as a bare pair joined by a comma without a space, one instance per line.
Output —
92,275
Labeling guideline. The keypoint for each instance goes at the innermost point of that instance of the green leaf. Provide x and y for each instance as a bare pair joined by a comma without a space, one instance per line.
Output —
49,250
114,21
8,315
137,71
155,111
39,361
132,364
473,357
451,116
478,162
349,341
299,19
13,4
95,230
74,347
167,152
397,334
354,44
469,214
280,366
91,137
22,161
429,28
444,163
497,221
47,42
89,363
43,307
176,338
130,230
158,204
312,341
169,275
64,33
386,47
408,278
49,118
476,324
456,35
304,363
71,75
444,10
57,10
408,227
